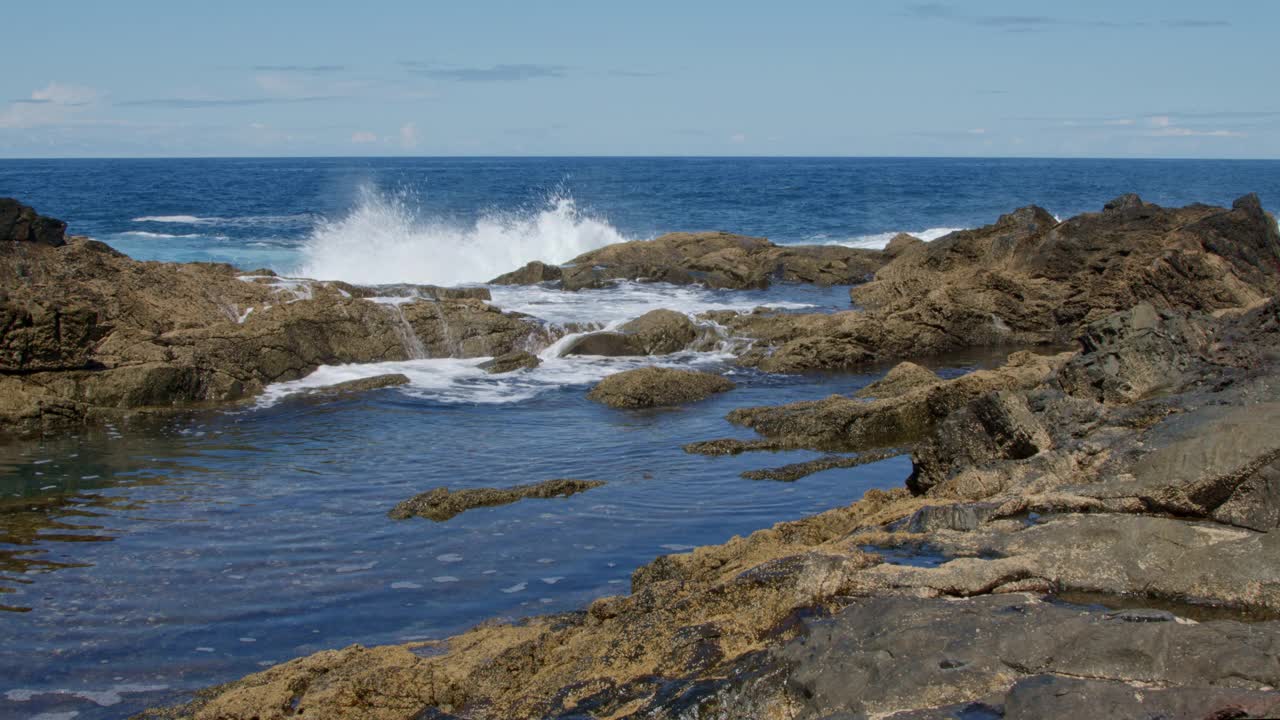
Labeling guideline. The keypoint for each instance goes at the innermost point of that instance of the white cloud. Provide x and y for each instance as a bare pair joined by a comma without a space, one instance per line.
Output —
978,131
1160,121
53,104
738,138
363,136
408,136
1188,132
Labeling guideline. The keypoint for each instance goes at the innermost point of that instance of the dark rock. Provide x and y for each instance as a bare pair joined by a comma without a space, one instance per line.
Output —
531,274
512,361
657,387
795,471
19,223
442,504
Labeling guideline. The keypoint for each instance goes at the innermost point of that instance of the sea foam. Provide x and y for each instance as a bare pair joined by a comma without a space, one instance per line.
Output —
383,240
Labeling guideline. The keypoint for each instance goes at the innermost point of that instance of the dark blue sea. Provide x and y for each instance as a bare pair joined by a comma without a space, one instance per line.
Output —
137,566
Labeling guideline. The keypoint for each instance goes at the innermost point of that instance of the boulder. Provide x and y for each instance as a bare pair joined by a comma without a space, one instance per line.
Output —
656,387
607,344
362,385
531,274
662,332
902,378
510,362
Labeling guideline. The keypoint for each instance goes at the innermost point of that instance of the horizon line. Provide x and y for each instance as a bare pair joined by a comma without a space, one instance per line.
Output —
639,157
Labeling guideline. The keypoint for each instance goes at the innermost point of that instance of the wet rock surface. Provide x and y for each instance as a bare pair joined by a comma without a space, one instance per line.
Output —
442,504
88,334
510,362
361,385
657,387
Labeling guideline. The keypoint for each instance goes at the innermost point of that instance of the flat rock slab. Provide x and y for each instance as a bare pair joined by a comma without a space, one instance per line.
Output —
657,387
441,504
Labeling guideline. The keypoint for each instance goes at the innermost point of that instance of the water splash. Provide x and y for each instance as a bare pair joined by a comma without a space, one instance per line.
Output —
383,240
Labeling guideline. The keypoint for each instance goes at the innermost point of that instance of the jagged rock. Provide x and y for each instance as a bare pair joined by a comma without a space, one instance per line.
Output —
662,332
19,223
510,362
902,378
88,334
840,422
1028,279
531,274
657,387
442,504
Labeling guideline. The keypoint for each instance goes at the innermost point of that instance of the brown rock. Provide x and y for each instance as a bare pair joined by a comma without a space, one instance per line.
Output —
657,387
441,504
510,362
662,332
531,274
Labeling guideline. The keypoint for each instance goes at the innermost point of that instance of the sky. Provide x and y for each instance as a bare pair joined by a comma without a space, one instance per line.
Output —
142,78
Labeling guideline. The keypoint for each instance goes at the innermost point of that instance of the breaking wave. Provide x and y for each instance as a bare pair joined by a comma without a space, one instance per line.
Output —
383,240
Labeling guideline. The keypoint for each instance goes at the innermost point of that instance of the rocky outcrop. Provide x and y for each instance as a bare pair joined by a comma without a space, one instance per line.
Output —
1028,279
19,223
901,379
88,334
657,387
714,259
844,423
510,362
361,385
442,504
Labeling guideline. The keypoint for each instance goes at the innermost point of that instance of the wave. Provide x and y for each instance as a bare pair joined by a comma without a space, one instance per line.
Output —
383,240
168,236
241,221
878,241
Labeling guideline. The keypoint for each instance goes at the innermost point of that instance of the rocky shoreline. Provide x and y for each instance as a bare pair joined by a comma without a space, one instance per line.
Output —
1088,531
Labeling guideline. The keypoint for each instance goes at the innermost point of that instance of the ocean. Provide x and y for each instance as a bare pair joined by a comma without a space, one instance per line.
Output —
137,566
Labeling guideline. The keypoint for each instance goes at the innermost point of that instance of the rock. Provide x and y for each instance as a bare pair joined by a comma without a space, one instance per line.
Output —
889,655
842,423
718,260
441,504
657,387
607,344
903,378
19,223
531,274
903,243
362,385
795,471
662,332
510,362
1028,279
89,335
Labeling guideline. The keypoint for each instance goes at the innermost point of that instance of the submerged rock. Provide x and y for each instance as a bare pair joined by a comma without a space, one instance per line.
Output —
510,362
441,504
606,344
362,385
657,387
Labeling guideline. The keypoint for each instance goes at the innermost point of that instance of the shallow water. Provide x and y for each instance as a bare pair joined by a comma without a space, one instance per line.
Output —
178,556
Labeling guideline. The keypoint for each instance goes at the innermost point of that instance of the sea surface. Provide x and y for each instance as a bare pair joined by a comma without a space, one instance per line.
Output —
138,566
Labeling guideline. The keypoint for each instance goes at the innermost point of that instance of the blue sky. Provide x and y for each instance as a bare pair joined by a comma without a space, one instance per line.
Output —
277,78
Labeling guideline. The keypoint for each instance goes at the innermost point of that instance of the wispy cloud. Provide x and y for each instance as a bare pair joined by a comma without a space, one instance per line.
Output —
53,104
494,73
1036,23
180,103
314,69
